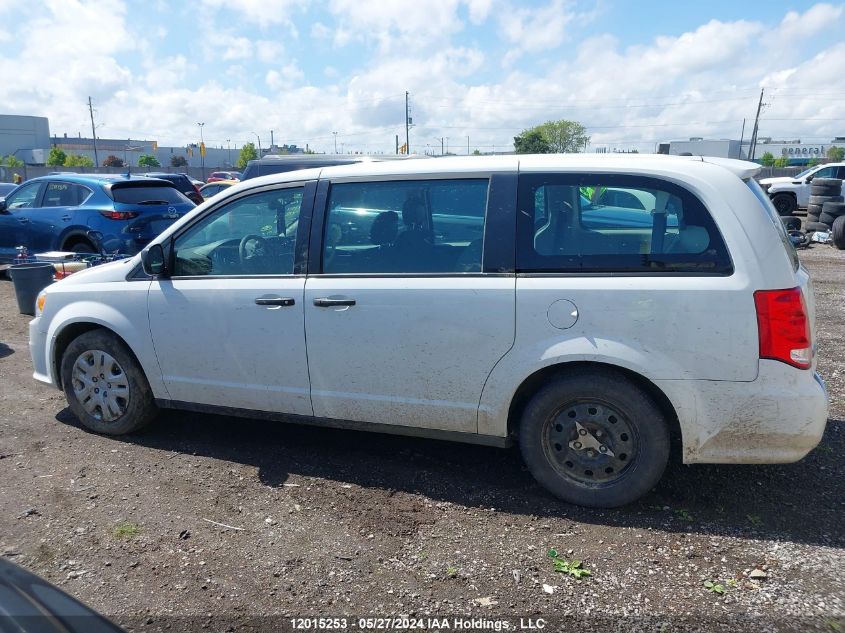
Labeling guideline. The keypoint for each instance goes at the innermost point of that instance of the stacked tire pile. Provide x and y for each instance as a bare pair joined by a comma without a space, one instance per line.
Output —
826,211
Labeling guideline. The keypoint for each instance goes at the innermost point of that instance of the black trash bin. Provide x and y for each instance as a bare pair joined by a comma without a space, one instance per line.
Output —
30,279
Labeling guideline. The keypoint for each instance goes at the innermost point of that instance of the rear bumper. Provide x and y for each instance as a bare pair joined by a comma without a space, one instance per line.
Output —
777,418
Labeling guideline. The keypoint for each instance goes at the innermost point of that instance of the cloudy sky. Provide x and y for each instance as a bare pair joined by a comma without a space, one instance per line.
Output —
634,73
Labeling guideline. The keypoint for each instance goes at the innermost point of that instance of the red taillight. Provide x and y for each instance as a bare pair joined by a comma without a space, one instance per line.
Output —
119,215
784,327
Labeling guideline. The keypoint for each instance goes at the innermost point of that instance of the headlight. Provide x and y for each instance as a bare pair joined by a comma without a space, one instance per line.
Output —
39,303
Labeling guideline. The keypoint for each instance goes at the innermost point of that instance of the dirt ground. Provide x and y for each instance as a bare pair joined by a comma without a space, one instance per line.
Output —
346,524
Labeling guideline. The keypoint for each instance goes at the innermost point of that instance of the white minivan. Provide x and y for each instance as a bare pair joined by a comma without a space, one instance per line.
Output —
602,311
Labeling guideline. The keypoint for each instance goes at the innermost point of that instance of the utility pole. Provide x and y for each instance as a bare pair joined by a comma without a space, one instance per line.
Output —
93,132
407,126
467,144
753,146
741,138
335,142
202,150
441,146
397,146
229,147
271,139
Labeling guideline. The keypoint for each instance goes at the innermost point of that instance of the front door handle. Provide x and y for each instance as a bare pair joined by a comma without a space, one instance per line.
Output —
67,218
272,300
329,302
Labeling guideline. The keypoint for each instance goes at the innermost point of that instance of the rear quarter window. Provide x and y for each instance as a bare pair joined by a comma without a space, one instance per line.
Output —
615,223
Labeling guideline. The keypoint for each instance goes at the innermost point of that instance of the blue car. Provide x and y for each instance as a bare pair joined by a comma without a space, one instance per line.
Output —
87,214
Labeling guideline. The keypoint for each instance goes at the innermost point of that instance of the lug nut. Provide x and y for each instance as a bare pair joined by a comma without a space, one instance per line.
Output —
603,449
590,452
576,444
583,431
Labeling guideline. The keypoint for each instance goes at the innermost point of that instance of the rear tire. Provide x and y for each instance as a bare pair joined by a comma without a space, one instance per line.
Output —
81,246
839,233
594,439
105,386
784,203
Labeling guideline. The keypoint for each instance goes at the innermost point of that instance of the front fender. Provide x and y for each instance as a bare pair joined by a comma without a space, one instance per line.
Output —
116,319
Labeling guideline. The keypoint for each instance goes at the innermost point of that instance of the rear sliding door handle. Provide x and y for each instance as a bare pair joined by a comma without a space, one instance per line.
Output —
328,302
274,301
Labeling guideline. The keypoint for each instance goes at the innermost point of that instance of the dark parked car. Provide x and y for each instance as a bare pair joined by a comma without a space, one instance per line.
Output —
88,214
29,604
6,188
183,183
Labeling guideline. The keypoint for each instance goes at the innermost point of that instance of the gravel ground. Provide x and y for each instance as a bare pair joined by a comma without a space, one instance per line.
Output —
340,523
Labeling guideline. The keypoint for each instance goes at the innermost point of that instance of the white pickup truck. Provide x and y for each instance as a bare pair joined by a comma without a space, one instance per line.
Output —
789,193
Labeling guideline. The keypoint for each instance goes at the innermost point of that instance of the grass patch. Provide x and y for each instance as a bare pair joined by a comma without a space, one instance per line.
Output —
126,529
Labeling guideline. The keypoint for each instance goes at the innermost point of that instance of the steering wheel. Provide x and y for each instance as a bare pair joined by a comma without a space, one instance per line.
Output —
259,249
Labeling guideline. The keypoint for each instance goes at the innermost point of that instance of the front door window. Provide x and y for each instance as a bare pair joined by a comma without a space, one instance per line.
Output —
252,235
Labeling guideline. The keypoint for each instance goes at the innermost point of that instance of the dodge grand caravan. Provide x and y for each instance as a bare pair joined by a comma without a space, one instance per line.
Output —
600,311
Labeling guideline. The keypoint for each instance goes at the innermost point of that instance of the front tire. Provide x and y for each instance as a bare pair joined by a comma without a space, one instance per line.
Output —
595,439
105,386
784,203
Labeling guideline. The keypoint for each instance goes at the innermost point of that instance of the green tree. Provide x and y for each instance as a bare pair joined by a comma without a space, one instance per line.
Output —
56,157
565,136
177,160
148,160
475,152
77,160
836,154
813,162
783,161
531,142
113,161
11,161
247,154
767,159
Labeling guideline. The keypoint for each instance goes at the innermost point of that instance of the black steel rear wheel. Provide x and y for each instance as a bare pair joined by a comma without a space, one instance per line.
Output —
591,442
595,438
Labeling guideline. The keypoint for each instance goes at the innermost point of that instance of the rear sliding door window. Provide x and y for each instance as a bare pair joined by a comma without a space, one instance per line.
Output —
615,223
401,227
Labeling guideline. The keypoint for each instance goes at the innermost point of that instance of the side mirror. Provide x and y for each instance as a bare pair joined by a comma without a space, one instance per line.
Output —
152,260
809,179
3,208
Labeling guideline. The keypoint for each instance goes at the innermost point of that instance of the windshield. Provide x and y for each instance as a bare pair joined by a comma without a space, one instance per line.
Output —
806,172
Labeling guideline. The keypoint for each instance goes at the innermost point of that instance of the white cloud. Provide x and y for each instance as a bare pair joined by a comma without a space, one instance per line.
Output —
261,12
237,48
401,25
269,51
631,92
285,77
817,18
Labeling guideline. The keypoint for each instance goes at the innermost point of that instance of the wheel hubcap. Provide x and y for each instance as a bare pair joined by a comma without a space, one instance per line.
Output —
100,385
591,442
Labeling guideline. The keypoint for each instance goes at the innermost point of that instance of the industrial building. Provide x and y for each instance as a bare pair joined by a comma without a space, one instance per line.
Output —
798,152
